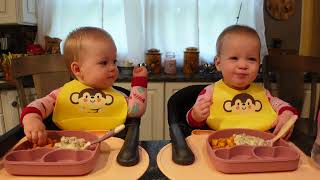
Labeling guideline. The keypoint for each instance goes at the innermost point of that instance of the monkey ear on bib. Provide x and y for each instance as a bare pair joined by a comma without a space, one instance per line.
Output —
74,98
227,106
258,105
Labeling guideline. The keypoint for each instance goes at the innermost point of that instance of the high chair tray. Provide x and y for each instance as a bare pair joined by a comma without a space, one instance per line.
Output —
203,167
98,162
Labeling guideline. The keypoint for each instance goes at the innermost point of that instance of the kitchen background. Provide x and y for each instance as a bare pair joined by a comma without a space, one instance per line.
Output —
281,37
14,38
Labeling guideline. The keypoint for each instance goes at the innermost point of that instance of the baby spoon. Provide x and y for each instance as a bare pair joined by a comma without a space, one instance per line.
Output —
283,130
106,136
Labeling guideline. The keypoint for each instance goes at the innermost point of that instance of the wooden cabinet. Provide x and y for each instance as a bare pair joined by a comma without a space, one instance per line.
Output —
10,108
18,12
152,122
307,98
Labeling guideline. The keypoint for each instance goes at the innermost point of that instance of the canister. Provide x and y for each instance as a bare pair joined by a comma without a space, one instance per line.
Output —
191,60
153,60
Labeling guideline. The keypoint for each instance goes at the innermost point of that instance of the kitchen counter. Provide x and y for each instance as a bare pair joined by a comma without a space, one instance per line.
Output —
179,77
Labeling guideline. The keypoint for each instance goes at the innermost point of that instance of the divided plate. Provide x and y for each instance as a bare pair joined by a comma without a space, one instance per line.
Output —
245,158
24,160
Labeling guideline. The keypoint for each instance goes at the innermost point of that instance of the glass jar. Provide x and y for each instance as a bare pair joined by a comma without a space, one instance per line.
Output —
191,61
153,61
170,63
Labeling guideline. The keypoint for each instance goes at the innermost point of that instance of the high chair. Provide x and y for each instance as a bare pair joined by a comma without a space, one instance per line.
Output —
178,106
49,72
291,73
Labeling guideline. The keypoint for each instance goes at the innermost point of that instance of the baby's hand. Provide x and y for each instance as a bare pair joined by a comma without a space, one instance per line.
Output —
281,120
140,72
34,129
201,110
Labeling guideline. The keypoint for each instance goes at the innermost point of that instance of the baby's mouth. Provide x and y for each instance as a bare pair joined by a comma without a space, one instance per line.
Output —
242,75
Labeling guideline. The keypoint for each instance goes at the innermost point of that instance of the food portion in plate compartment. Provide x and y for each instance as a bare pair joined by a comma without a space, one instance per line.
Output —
71,143
50,143
237,139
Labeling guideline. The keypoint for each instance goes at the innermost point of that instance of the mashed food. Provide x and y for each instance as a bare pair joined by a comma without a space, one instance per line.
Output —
71,143
237,139
243,139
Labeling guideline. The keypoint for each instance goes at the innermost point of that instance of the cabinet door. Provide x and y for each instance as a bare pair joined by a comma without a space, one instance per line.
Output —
2,125
18,11
152,122
8,11
27,12
10,108
170,89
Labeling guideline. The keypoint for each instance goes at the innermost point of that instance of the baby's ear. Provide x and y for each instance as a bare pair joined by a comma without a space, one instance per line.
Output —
75,68
217,63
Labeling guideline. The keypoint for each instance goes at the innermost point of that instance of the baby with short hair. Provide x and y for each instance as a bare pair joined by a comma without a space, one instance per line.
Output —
235,101
89,102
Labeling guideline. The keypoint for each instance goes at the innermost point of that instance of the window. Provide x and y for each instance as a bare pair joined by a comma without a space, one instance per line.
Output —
138,25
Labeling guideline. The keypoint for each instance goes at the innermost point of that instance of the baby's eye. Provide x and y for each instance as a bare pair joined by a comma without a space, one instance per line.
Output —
252,59
234,58
115,61
104,62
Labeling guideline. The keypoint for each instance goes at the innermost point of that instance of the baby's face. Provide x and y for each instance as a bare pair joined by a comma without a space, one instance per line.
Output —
239,60
97,61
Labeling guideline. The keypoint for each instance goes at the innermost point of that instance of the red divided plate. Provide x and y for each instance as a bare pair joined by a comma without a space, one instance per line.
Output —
22,160
245,158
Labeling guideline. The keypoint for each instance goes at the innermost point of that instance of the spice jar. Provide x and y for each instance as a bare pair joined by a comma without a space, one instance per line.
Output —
170,63
153,61
191,60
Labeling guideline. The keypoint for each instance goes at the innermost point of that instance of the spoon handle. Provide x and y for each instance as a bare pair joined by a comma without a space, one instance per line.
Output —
285,128
109,134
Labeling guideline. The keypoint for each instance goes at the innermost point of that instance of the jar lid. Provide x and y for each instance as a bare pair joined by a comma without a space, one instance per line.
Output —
153,51
192,49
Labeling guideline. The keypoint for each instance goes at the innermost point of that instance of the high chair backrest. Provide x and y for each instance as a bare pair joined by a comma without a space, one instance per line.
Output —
291,73
48,72
179,104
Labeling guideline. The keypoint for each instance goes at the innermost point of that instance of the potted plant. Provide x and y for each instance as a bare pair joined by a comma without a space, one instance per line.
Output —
6,60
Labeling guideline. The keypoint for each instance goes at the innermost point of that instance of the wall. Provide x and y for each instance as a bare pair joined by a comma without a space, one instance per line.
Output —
288,31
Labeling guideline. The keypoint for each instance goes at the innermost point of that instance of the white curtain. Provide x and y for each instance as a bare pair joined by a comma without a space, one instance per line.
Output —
138,25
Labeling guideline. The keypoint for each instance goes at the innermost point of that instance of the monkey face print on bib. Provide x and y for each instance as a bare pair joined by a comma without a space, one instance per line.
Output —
79,107
247,108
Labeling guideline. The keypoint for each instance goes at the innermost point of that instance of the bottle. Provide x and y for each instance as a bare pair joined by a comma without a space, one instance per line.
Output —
315,152
170,63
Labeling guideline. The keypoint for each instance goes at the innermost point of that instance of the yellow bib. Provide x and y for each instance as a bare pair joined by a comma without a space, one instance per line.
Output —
79,107
248,108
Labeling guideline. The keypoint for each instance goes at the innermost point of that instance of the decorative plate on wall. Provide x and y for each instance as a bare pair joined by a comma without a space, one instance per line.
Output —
280,9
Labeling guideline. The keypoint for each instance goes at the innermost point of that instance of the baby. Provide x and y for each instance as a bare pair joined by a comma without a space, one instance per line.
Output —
235,101
89,102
